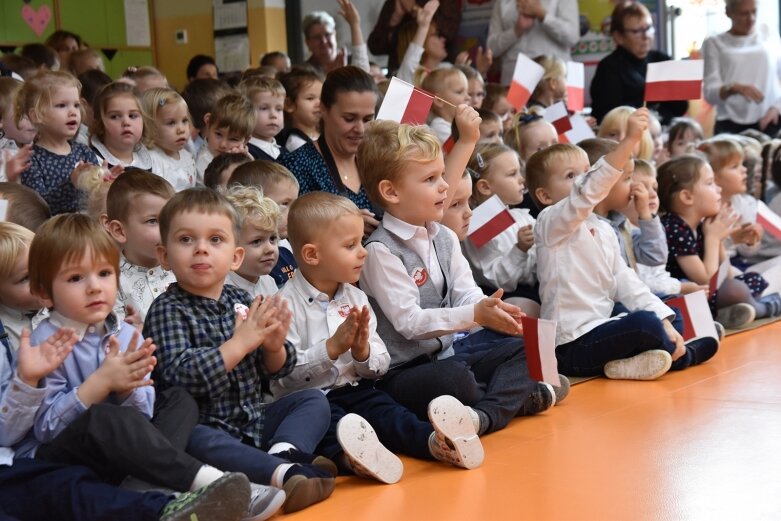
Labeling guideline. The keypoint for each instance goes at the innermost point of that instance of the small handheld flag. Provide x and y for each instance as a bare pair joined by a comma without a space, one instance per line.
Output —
674,80
718,278
405,103
575,86
558,116
697,318
527,75
769,220
580,131
489,220
540,343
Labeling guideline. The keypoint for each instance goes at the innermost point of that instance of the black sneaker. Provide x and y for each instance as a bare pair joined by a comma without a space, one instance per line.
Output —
226,499
702,349
541,399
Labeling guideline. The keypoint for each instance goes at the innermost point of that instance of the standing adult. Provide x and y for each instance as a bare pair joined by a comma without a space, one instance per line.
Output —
532,27
347,103
202,67
65,43
320,38
742,72
620,76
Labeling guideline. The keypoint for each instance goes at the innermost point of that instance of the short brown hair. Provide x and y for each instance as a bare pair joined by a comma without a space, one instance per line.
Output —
676,174
625,10
311,213
597,147
201,95
234,112
201,200
131,184
261,173
212,176
386,148
26,207
538,166
63,239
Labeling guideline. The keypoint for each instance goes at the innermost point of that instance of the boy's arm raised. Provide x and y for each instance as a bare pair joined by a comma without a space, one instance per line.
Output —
468,124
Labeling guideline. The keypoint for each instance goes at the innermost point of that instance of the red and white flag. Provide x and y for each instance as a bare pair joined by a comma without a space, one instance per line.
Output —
448,145
575,86
718,278
558,116
539,337
405,103
489,220
769,220
674,80
580,131
697,318
527,75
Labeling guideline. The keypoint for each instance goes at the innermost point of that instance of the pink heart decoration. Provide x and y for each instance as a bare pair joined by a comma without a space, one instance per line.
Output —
37,20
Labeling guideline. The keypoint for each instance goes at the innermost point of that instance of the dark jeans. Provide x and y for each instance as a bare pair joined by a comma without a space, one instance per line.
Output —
396,426
34,490
116,441
727,126
488,372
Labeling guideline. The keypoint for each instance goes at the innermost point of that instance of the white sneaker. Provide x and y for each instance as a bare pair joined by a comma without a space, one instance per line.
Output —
454,439
648,365
264,502
367,456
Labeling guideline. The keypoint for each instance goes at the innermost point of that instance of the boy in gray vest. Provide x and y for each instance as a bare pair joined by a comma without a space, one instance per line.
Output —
422,290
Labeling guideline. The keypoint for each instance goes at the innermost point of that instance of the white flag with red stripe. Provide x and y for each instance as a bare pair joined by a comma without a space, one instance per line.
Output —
696,315
576,81
579,131
674,80
539,337
405,103
769,220
718,278
489,220
527,75
558,116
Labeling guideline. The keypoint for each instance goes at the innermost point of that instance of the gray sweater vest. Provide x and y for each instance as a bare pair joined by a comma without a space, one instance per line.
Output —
401,349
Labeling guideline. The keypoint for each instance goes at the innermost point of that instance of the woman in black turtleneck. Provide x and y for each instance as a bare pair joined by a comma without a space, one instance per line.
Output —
620,76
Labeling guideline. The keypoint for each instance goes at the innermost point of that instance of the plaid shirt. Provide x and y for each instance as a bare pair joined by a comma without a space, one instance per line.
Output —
189,331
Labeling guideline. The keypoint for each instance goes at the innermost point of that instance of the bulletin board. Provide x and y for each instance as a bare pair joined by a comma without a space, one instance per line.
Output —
124,40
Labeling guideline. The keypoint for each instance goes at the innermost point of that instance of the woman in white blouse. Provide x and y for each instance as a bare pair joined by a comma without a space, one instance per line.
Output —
742,72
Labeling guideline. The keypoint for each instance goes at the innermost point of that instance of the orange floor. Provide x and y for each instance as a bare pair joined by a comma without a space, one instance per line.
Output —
700,444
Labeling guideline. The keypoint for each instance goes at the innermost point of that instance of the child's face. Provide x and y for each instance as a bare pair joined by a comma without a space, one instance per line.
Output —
539,135
681,143
305,110
84,290
220,141
504,178
261,251
504,110
23,133
419,194
490,131
200,249
339,250
706,194
283,193
15,290
268,114
142,230
476,91
173,127
561,178
619,196
63,117
458,215
123,123
455,90
652,186
732,177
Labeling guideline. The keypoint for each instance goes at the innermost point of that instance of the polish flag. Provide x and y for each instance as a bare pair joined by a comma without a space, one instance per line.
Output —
405,103
575,86
558,116
697,318
718,278
540,343
674,80
580,131
769,220
489,220
527,75
448,145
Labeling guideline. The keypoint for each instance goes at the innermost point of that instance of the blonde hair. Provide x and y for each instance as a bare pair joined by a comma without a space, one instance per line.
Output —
234,112
93,183
386,148
260,84
261,173
253,208
523,123
481,160
721,150
434,82
152,101
616,120
14,240
643,167
554,67
35,96
538,168
311,214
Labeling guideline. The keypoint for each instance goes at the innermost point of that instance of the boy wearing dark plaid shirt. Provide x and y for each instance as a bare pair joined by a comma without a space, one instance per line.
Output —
217,343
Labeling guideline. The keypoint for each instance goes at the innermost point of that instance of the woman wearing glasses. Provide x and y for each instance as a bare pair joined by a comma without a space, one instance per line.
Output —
742,72
620,76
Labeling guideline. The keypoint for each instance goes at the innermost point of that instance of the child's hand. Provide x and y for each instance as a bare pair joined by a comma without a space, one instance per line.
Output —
360,345
639,194
16,164
637,124
344,336
494,314
251,332
468,124
425,14
744,234
691,287
80,167
124,372
36,362
525,238
675,338
275,339
721,224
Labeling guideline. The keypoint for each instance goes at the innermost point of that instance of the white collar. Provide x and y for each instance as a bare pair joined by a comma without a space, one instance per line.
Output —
269,147
406,231
311,294
110,325
141,157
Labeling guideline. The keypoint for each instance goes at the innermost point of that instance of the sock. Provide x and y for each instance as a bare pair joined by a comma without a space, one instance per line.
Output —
281,447
479,419
205,476
278,476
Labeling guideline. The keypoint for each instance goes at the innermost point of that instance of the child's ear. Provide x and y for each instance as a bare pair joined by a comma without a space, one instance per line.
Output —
310,254
206,118
238,258
686,196
290,105
162,257
104,222
543,196
46,299
116,230
483,188
388,191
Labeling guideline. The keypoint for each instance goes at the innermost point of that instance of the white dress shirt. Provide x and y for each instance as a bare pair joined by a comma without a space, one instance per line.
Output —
6,146
265,286
442,128
582,274
179,172
14,321
315,319
385,279
141,286
269,147
141,157
202,160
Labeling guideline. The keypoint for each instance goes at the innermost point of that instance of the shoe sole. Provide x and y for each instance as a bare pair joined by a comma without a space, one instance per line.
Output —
736,316
451,419
273,504
648,365
562,391
302,492
226,499
325,464
368,456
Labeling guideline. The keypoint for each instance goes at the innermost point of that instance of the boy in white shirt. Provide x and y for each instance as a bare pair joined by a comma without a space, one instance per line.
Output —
267,96
340,352
133,204
422,291
582,273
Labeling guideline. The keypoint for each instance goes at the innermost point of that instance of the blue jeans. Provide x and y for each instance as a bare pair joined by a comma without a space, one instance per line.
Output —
34,490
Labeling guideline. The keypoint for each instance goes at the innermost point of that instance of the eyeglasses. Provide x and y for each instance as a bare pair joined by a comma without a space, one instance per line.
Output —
648,30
